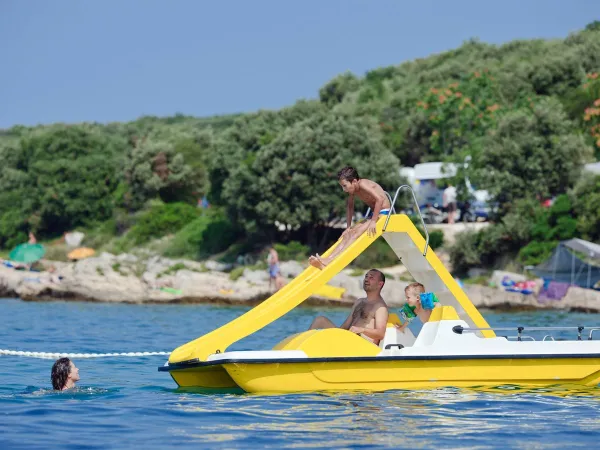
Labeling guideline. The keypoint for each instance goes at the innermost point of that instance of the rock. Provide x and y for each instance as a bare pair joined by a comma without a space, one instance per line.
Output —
256,276
217,266
579,299
95,279
291,269
127,258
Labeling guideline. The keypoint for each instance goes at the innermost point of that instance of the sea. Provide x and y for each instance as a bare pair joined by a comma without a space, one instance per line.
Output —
124,402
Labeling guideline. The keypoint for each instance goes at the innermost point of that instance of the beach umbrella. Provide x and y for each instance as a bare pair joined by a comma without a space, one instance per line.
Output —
27,253
81,253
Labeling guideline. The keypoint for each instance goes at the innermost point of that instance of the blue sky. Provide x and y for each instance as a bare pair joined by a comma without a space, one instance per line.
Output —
115,60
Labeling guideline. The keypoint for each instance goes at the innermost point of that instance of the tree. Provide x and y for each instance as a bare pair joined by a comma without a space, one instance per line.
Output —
293,179
154,169
532,154
586,204
336,89
57,178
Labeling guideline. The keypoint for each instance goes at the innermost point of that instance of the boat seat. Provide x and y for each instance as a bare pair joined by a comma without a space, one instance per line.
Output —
395,337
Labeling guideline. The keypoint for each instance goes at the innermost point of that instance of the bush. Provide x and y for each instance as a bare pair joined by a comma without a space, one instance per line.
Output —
236,273
160,220
465,254
210,233
586,204
436,238
293,250
378,254
536,252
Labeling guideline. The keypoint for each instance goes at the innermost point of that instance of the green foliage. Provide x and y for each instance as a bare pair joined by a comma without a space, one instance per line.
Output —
293,179
586,206
154,169
236,273
292,251
532,154
207,234
436,239
536,252
56,178
160,220
378,254
460,112
335,90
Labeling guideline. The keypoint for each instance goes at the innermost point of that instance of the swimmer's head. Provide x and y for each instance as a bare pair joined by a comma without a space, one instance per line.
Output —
348,178
64,374
413,293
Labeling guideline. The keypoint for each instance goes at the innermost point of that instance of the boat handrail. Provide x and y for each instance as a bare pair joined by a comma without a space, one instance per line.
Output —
406,186
459,329
524,337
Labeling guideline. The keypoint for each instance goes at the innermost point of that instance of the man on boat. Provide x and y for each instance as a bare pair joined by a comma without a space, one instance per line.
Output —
369,315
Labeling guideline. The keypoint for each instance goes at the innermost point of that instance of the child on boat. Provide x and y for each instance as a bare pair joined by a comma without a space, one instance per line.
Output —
371,194
419,302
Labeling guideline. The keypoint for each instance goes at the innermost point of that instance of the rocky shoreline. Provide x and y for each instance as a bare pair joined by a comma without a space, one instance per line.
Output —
128,279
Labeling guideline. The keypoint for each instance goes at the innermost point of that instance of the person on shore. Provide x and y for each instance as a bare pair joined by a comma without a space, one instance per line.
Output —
274,269
64,374
368,317
449,197
373,195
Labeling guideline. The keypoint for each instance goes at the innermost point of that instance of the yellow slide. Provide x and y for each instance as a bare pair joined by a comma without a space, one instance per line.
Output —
311,280
286,299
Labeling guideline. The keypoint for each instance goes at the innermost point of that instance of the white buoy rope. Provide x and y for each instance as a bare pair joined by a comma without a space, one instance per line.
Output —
46,355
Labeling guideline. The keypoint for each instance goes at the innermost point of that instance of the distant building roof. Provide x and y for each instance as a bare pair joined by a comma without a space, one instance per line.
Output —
592,167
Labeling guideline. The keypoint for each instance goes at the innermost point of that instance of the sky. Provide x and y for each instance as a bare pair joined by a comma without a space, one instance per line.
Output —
116,60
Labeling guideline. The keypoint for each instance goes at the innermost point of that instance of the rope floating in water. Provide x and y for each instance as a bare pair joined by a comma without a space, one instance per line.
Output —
47,355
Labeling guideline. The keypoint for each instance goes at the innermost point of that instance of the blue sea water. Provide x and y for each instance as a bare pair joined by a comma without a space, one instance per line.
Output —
127,403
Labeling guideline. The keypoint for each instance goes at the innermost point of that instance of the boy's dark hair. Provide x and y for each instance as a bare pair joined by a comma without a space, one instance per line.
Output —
60,373
348,173
381,275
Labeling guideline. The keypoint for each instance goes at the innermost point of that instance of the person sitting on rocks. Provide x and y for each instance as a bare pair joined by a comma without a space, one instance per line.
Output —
369,315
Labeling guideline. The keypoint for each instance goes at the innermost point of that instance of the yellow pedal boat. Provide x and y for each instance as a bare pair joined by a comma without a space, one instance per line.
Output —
455,348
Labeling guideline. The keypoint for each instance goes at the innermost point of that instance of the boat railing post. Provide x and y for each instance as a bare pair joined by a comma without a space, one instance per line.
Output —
592,333
579,330
406,186
519,333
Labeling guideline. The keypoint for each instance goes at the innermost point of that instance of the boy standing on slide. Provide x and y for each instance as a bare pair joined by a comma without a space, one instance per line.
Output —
370,193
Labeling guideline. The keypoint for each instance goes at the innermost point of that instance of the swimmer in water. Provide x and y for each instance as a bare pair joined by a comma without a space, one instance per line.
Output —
64,374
